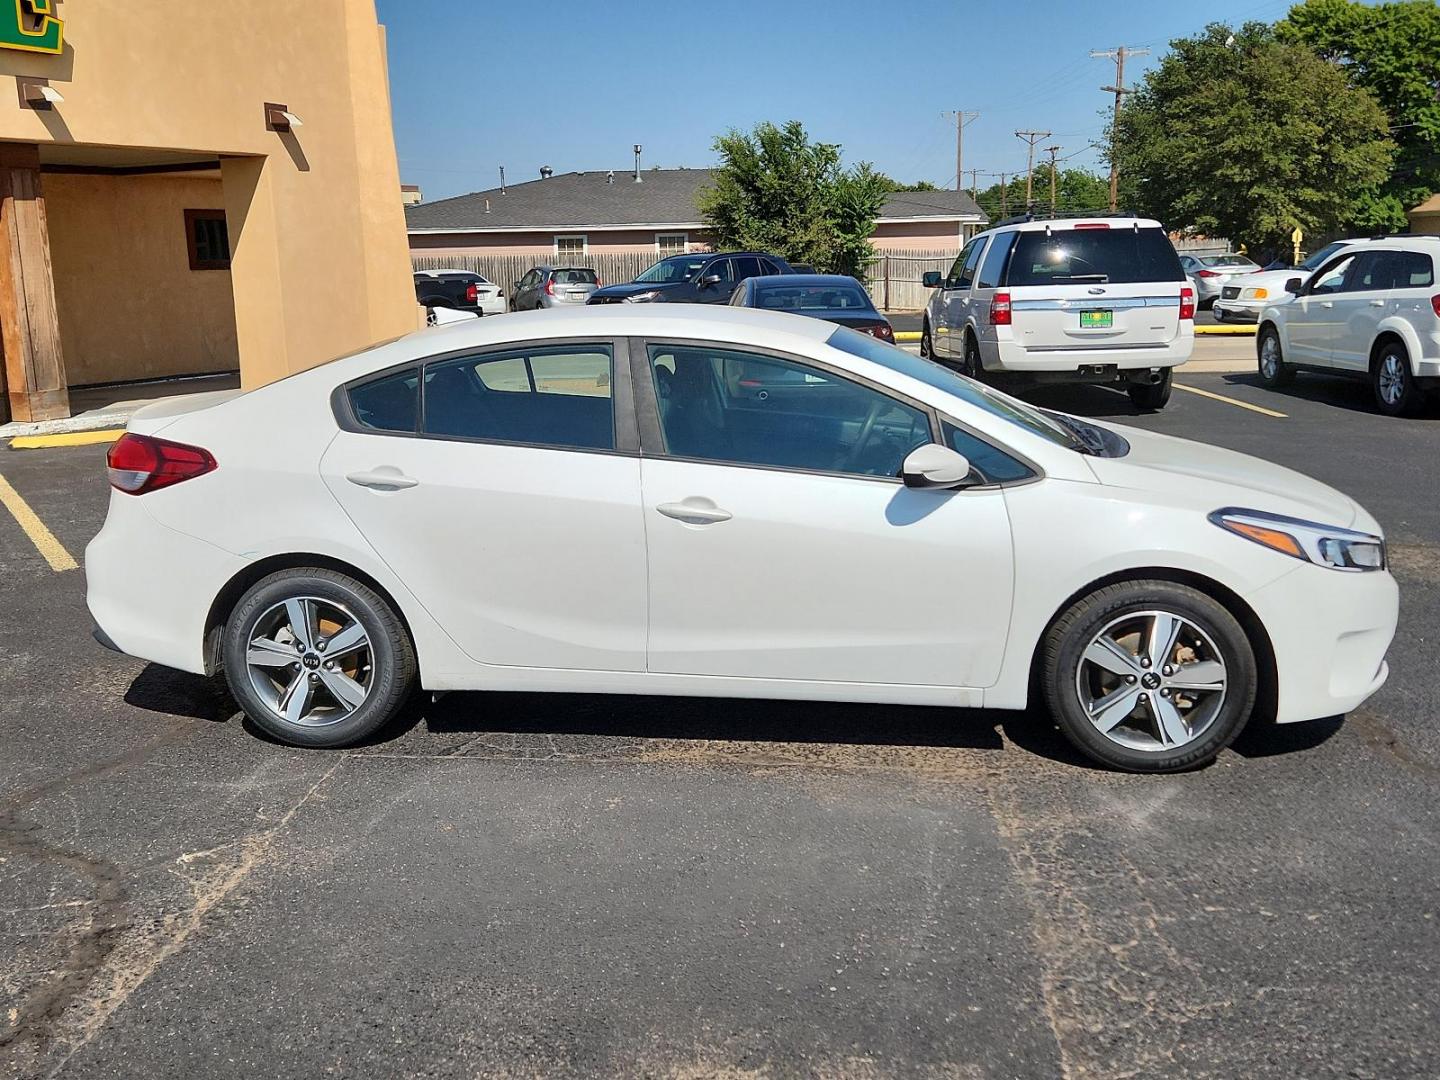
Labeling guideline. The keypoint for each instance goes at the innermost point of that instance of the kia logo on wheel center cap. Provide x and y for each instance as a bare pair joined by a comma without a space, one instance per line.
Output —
311,661
1150,680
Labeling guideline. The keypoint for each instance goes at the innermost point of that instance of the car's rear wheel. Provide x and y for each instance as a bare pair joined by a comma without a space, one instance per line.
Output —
973,367
1149,676
1270,359
1152,397
316,658
1396,391
927,346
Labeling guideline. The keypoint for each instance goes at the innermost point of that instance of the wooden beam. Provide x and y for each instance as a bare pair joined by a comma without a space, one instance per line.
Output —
34,367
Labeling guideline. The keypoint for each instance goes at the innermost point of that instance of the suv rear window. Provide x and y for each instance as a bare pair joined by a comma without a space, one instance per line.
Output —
1117,255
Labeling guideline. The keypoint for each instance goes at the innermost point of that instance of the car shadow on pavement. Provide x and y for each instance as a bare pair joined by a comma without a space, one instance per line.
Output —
1079,399
178,693
1336,391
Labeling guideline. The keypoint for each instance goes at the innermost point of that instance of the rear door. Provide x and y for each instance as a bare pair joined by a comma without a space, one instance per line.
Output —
1360,307
987,283
1094,286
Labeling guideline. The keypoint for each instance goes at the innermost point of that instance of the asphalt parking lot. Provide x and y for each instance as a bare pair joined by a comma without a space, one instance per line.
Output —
571,886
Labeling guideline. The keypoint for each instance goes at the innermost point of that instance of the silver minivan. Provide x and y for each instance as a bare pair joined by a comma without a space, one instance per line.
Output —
553,286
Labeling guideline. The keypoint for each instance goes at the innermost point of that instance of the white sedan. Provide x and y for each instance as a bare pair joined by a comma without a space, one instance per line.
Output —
727,503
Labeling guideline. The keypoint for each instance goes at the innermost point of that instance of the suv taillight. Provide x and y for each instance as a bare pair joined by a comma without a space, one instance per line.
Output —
1000,309
472,293
1435,303
1187,303
140,463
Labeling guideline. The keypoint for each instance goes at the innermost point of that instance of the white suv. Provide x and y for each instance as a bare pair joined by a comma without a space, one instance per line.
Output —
1371,311
1098,300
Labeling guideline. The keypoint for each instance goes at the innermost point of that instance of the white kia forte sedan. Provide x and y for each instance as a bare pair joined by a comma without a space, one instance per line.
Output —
724,502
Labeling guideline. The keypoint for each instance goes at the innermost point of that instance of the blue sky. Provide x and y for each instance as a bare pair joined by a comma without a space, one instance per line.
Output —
574,83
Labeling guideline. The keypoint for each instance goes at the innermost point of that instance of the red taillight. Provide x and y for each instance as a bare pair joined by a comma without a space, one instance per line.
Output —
141,463
598,285
472,293
1435,303
881,331
550,287
1000,309
1092,225
1206,273
1187,302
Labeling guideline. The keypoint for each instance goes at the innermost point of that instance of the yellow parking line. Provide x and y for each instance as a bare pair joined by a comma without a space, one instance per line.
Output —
1231,401
69,438
43,539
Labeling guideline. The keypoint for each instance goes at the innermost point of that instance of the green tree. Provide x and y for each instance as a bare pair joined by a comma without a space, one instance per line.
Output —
1247,136
775,190
1392,50
896,185
1076,191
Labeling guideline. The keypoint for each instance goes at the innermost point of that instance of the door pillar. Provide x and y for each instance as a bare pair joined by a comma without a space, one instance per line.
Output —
33,366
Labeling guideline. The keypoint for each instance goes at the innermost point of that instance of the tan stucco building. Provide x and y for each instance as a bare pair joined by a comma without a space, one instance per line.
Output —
190,188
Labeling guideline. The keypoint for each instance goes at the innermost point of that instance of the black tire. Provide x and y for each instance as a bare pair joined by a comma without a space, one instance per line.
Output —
390,655
972,364
927,346
1218,719
1274,371
1152,397
1396,391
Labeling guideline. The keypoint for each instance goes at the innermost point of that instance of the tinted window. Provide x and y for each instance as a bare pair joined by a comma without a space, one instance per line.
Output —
1118,255
972,263
747,267
720,268
1370,271
779,297
1410,270
388,404
995,465
767,267
994,265
745,408
957,270
1331,279
574,277
675,268
551,397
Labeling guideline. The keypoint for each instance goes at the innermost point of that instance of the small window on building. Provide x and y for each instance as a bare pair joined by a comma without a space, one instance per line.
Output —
208,239
672,243
571,247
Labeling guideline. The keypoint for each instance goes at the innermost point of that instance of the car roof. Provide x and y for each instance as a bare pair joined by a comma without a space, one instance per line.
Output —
1398,242
1063,224
456,270
805,279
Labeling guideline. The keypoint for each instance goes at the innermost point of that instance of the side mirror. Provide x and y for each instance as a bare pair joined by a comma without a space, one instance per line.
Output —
709,280
931,279
934,466
1294,285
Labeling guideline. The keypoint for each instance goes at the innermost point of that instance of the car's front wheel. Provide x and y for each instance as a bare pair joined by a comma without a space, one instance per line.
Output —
1152,397
1270,359
1149,676
1396,391
927,345
316,658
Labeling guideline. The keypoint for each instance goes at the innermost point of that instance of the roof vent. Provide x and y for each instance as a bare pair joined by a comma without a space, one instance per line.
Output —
638,178
546,172
487,206
610,177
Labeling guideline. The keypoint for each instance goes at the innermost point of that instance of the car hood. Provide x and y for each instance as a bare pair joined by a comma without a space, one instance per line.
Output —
633,287
1273,280
1196,472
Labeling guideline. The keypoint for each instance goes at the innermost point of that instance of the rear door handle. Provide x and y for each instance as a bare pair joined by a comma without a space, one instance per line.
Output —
1377,303
382,478
1327,303
695,510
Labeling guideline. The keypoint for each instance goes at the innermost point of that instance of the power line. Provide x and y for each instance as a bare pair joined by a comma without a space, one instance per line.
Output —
1052,151
1118,55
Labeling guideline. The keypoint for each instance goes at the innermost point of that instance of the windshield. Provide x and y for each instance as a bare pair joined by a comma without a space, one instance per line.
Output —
1314,261
675,268
1118,254
1226,260
811,297
967,390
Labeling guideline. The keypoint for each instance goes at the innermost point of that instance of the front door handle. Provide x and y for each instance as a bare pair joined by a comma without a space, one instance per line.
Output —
1377,303
1327,303
382,478
695,510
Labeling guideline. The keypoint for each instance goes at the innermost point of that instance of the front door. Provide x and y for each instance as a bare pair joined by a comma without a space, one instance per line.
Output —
1312,328
717,292
508,500
782,545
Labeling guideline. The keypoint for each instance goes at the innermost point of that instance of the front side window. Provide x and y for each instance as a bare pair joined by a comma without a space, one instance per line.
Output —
743,408
556,396
1331,279
667,271
957,270
720,268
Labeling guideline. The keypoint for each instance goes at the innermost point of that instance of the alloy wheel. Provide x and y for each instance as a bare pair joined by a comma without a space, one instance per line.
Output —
1269,356
1392,380
310,661
1151,681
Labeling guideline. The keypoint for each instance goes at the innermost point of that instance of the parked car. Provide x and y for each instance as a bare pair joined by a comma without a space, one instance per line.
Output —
1210,273
553,286
442,316
703,278
1243,300
1371,311
832,297
462,290
599,505
1098,300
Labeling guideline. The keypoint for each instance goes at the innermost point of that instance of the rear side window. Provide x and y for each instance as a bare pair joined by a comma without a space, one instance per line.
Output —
1411,270
388,404
747,266
994,265
556,397
1118,255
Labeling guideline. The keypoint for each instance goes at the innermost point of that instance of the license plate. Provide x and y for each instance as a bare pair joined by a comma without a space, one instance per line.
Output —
1090,320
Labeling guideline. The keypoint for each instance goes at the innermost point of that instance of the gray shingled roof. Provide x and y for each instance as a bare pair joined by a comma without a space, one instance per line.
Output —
664,197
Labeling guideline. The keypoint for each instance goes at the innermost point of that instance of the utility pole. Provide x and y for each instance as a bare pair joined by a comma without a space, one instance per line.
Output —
1031,137
962,118
1118,55
974,183
1004,192
1052,151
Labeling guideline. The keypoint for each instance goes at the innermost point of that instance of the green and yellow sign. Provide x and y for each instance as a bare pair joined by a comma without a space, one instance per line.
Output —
31,25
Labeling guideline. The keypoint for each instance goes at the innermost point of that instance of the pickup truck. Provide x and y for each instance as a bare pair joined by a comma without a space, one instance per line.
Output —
462,290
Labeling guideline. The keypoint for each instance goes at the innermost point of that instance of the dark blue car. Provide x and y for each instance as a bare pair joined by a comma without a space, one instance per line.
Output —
705,277
832,297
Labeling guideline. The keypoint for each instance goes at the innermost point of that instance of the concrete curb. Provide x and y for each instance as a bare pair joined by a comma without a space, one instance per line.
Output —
907,335
67,438
1247,329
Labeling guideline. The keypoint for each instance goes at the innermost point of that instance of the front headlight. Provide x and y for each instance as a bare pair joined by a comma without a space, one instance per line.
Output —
1323,545
642,297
